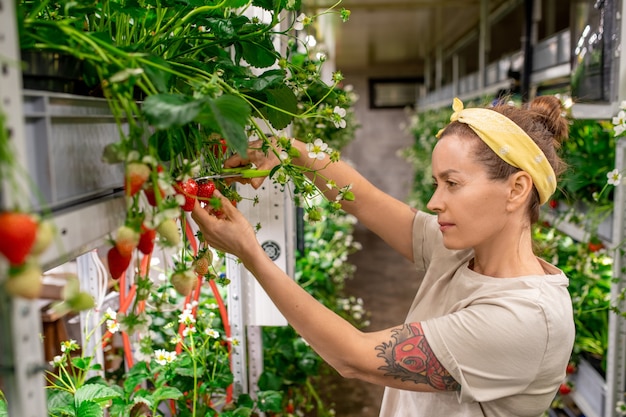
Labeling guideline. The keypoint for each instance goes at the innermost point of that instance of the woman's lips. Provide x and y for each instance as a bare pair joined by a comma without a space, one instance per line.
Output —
443,226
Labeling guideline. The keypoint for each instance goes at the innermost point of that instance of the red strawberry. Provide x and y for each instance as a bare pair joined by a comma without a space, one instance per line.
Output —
126,240
136,175
150,195
18,232
184,281
564,389
595,246
219,149
188,189
570,369
146,240
205,190
168,231
553,203
118,263
24,281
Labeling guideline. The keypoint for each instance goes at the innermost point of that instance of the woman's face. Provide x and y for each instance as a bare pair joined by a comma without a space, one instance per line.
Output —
470,207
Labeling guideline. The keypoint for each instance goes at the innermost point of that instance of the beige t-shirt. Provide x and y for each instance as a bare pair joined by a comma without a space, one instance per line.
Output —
506,341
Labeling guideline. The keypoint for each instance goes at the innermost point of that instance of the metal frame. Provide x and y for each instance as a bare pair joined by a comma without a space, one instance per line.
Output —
20,320
616,354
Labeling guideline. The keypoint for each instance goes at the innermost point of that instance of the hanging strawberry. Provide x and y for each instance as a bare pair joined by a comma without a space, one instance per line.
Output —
220,150
126,240
137,174
189,190
18,232
44,237
150,189
118,263
169,233
24,280
146,240
184,281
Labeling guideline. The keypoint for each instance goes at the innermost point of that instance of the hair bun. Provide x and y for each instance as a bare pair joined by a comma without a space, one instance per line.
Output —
550,110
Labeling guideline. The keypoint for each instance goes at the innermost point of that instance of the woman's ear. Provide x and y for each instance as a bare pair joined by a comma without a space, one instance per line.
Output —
521,186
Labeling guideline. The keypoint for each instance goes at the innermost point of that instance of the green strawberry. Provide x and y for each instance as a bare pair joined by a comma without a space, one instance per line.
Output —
24,281
169,233
184,281
45,234
81,302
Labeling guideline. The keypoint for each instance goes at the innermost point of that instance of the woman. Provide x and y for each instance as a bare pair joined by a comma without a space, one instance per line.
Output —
491,329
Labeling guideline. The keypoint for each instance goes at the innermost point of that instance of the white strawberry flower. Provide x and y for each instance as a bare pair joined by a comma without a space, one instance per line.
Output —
317,149
614,177
301,21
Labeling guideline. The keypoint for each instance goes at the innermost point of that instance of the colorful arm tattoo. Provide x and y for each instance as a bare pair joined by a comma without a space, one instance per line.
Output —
410,358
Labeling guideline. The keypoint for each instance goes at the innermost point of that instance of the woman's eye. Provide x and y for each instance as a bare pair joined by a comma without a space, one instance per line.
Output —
451,183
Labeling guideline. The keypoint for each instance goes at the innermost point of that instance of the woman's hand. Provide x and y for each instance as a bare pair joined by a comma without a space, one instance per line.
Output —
257,156
228,231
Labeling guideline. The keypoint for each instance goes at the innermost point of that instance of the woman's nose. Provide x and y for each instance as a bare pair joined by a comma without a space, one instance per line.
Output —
434,204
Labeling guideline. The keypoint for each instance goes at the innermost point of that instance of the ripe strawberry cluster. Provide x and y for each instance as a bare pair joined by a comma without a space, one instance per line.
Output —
140,234
165,196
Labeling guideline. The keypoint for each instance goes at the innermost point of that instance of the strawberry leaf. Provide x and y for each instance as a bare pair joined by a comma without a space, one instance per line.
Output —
60,403
95,393
236,3
259,53
270,400
89,409
285,105
230,115
164,111
166,393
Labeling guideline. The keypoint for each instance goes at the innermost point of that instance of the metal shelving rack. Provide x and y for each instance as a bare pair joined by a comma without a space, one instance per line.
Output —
616,356
20,322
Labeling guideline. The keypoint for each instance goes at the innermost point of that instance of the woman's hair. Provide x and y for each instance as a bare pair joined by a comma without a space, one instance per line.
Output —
542,119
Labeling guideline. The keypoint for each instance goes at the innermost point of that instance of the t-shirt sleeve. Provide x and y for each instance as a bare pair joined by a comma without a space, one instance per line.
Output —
425,235
492,349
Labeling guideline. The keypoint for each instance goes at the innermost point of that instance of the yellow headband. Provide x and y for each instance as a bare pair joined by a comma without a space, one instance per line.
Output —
510,143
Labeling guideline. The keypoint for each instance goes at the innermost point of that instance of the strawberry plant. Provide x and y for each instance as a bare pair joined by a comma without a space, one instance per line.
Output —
189,85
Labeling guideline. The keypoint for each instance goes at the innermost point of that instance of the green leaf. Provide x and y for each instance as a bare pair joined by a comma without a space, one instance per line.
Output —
94,392
270,4
270,401
269,79
89,409
259,53
3,409
244,400
270,381
242,412
61,402
155,70
166,393
282,98
230,115
236,3
81,363
164,111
